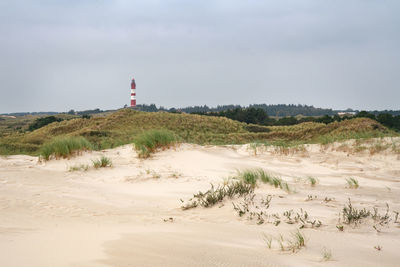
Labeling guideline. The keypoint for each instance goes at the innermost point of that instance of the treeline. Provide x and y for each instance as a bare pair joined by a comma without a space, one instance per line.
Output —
259,116
281,110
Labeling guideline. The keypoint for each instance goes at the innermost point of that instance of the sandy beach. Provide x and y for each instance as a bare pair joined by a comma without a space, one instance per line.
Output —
130,214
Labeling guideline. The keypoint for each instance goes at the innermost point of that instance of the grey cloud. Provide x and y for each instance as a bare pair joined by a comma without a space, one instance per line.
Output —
58,55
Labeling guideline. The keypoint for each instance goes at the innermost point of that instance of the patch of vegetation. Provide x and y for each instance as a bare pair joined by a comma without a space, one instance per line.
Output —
149,141
252,176
126,125
312,180
353,215
216,195
352,183
81,167
64,147
103,162
254,146
302,218
43,121
293,244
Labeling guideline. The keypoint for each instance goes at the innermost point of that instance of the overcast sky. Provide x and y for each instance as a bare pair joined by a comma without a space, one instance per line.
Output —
81,54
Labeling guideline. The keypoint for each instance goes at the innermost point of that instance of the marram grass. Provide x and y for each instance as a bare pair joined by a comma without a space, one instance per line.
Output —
103,162
149,141
64,147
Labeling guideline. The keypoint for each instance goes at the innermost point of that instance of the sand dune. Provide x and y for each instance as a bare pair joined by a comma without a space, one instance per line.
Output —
120,216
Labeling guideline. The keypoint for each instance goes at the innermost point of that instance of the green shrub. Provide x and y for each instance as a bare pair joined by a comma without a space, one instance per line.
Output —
149,141
41,122
63,147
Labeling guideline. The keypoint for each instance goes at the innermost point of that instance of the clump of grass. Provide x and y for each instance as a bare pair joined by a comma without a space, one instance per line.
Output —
249,176
312,180
216,195
103,162
352,183
252,176
294,244
63,147
149,141
81,167
298,241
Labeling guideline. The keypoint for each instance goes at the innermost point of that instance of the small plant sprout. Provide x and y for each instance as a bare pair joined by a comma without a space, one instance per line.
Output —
396,216
326,254
268,240
352,183
378,248
312,180
340,227
311,197
254,146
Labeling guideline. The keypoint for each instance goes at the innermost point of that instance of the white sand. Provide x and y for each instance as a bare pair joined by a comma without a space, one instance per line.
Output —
114,217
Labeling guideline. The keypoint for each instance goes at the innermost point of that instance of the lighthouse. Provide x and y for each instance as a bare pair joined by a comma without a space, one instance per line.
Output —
133,93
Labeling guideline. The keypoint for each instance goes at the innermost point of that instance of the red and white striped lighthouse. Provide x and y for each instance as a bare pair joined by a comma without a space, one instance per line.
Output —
133,93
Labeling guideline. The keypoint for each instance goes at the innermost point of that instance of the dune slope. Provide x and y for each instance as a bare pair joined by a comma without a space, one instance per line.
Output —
130,215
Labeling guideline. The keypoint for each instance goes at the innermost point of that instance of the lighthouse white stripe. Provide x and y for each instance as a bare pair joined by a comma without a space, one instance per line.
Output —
133,97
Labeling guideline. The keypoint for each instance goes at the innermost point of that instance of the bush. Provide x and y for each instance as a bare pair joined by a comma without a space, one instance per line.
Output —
63,147
40,122
149,141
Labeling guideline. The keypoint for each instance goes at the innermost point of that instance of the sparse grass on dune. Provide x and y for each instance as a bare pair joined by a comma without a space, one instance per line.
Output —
216,195
80,167
293,244
64,147
148,142
124,126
